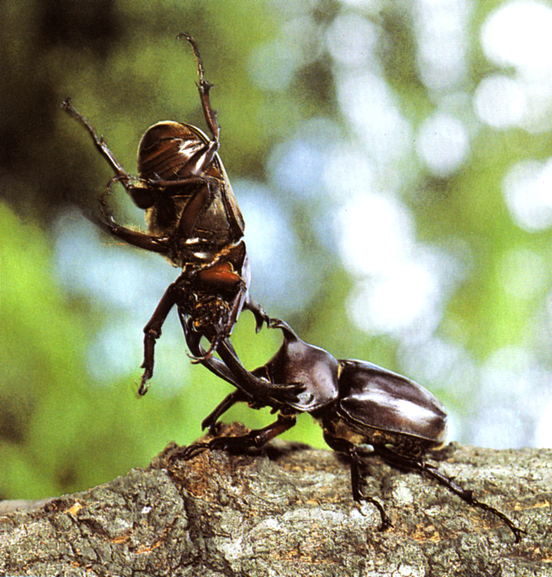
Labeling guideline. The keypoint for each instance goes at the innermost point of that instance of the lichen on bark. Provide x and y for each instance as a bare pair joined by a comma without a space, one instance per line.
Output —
287,510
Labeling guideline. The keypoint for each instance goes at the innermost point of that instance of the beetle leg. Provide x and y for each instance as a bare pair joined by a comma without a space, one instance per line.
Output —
398,460
152,331
133,237
229,401
260,315
349,449
176,185
204,87
99,142
254,439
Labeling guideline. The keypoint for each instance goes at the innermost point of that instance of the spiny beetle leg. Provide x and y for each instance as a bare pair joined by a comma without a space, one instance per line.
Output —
204,87
152,331
133,237
254,439
346,447
99,142
467,496
413,463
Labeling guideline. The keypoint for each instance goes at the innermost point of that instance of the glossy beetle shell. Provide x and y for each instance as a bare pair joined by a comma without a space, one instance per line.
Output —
166,151
300,363
374,398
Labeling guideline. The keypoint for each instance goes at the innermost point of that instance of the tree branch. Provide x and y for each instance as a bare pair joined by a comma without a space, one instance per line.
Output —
287,510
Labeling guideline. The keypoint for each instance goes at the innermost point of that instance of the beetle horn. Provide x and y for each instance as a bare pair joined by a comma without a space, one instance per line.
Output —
289,333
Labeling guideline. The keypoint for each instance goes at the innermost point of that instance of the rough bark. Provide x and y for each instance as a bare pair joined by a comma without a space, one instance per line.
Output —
287,510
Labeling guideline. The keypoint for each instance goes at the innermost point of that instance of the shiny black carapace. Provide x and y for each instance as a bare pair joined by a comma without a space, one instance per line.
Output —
358,405
193,220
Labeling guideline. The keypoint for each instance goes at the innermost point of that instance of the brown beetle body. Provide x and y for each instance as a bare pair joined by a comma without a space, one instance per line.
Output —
166,150
379,407
193,220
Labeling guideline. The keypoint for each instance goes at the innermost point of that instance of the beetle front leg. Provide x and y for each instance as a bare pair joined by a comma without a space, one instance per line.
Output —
152,331
254,439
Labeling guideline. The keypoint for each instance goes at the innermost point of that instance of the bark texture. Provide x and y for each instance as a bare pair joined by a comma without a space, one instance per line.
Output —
287,510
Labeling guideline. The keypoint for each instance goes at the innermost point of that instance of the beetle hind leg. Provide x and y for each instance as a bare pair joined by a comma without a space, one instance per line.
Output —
211,421
418,464
204,87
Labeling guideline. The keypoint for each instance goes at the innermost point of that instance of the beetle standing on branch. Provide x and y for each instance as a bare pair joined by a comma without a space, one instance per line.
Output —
357,403
193,220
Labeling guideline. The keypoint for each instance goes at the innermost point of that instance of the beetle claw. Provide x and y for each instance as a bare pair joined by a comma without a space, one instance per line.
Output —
190,452
385,520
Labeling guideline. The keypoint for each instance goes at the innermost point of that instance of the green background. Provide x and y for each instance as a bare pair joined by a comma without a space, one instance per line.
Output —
73,301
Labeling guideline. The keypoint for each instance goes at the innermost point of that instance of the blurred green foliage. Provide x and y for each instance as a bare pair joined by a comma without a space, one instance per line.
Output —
62,428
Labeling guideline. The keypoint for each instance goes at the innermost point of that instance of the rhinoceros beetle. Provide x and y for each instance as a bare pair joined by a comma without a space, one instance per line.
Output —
193,220
357,403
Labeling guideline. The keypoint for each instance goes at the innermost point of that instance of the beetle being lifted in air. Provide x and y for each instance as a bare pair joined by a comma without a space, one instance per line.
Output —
357,403
194,221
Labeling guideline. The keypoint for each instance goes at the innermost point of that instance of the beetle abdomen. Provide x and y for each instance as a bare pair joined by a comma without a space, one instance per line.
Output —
374,398
166,148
